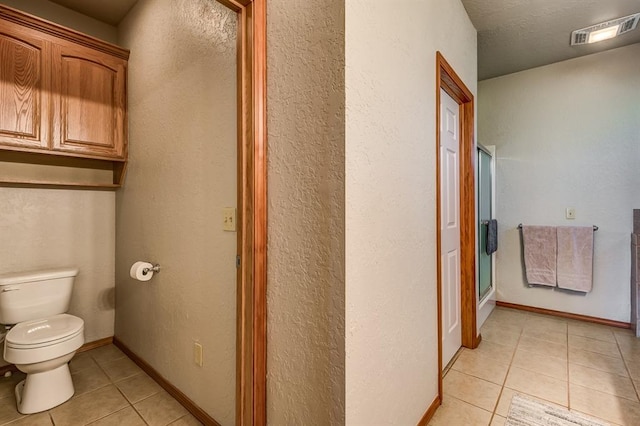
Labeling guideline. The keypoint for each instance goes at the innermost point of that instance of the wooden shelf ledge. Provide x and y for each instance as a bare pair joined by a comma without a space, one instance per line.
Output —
30,170
58,185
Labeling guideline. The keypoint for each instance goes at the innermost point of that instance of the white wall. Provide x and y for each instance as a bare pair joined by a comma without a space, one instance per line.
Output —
567,135
49,228
391,318
182,173
305,291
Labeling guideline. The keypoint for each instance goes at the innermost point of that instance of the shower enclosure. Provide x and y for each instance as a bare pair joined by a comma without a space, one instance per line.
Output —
485,213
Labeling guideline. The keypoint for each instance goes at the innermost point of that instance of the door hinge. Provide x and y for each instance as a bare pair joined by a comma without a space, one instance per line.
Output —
237,261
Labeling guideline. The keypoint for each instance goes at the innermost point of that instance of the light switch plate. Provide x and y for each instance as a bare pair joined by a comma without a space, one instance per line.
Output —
570,213
229,219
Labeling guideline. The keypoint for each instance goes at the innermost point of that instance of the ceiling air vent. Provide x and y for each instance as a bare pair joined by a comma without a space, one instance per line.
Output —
579,37
629,24
605,30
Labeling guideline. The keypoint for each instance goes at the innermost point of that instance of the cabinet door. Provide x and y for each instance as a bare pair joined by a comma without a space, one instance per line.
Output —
24,94
89,106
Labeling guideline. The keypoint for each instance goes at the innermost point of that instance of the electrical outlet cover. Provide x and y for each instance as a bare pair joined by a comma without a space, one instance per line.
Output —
197,354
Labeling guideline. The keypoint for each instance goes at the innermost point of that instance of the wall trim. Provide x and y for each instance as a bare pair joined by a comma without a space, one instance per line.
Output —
428,415
186,402
561,314
86,347
95,344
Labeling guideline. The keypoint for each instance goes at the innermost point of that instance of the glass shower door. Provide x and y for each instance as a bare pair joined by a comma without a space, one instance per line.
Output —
485,264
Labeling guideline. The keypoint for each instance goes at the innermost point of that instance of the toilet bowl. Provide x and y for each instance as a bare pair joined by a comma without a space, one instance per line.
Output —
42,339
42,349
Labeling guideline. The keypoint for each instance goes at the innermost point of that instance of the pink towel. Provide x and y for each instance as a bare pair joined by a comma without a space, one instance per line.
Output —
540,254
575,258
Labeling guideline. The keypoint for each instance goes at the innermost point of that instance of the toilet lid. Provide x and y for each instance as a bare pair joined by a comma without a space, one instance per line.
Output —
44,330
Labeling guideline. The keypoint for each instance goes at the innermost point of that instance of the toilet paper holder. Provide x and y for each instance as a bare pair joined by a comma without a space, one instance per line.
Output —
155,268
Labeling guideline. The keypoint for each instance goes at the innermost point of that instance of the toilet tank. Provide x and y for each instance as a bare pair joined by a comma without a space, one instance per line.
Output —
32,295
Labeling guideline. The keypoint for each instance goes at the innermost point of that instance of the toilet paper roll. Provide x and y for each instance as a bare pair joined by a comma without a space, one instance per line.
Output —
137,271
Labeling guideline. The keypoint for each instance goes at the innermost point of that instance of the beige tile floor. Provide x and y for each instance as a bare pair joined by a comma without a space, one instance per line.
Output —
110,390
584,367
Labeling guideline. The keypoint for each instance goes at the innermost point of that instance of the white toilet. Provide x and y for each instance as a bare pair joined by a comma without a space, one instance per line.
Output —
41,339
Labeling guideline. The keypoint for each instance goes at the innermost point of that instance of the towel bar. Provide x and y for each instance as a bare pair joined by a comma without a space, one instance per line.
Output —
595,228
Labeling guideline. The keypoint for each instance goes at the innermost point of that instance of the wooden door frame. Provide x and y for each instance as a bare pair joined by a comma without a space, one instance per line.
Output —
450,82
251,353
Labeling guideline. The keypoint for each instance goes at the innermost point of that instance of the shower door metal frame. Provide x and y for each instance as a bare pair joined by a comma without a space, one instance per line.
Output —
487,151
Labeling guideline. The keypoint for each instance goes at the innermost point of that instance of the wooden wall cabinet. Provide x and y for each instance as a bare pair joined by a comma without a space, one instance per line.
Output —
61,93
89,101
24,88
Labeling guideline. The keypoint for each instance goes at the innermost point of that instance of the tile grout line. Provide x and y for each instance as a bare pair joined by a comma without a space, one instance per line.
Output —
504,382
144,399
180,418
477,377
449,366
120,391
612,373
598,353
93,390
624,361
113,383
110,382
133,406
462,400
545,374
621,356
592,367
448,396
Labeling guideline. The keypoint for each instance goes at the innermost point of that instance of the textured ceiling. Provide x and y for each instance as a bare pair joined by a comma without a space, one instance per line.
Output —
109,11
515,35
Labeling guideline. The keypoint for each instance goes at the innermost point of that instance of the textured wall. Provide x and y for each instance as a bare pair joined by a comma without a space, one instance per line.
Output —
391,322
42,228
69,18
305,297
182,172
567,135
46,228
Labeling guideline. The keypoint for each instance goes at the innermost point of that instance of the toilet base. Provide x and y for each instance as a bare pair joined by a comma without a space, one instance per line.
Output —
45,390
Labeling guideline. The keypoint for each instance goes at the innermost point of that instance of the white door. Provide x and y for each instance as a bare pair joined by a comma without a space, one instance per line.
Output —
450,226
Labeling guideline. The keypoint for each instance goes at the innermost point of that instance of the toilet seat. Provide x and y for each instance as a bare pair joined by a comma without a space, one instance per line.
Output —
44,332
44,344
44,339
